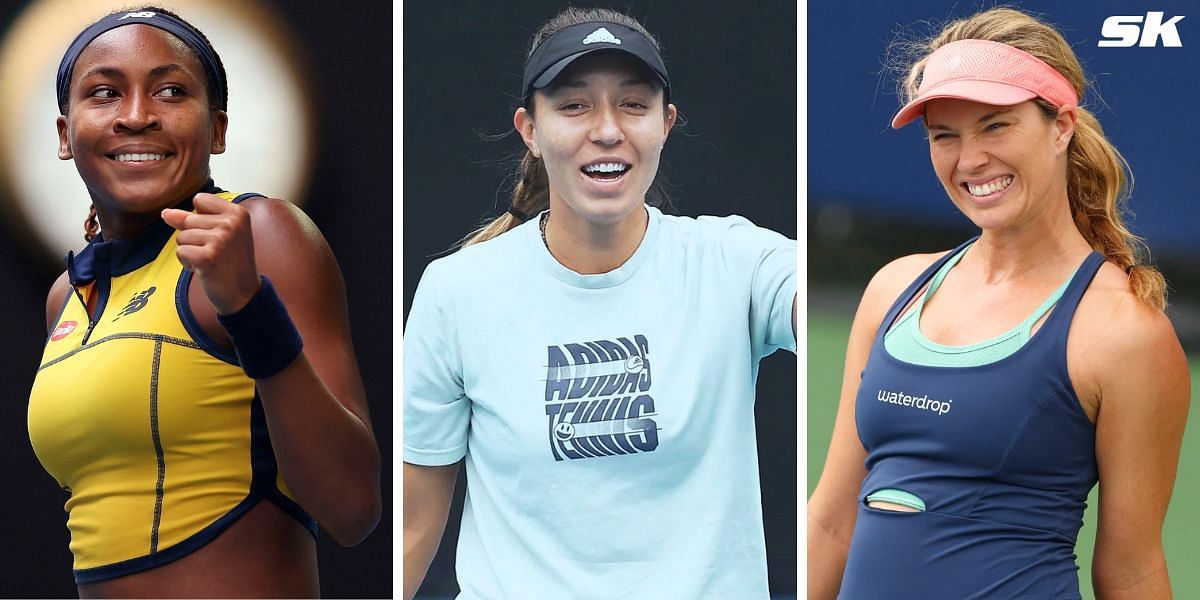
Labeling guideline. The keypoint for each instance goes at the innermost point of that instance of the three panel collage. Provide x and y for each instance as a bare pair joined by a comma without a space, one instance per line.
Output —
663,299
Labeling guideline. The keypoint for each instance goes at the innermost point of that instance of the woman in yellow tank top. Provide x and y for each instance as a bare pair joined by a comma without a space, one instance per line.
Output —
198,395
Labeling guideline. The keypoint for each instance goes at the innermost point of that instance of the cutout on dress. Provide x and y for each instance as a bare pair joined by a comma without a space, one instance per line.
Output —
895,500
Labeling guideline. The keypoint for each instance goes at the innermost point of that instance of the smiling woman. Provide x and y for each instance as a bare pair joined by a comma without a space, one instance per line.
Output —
983,153
599,141
117,146
198,429
1041,342
587,355
37,191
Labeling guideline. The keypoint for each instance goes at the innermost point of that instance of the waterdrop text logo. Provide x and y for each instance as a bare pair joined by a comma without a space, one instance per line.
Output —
1123,31
937,407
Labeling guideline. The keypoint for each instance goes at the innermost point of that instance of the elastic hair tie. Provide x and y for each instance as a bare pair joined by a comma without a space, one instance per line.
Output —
522,217
1130,268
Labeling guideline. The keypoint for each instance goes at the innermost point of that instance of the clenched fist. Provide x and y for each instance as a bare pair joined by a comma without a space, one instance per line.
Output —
216,243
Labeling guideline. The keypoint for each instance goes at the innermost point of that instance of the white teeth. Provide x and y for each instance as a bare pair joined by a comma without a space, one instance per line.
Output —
139,157
605,168
990,188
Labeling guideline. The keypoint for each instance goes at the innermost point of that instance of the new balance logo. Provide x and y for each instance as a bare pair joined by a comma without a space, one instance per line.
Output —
1123,31
137,303
140,15
602,35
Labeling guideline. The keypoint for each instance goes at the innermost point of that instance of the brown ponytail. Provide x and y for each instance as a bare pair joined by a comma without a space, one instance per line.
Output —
531,196
1098,177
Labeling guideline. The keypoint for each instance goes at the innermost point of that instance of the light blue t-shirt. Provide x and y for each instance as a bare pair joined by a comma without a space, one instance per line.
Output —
607,420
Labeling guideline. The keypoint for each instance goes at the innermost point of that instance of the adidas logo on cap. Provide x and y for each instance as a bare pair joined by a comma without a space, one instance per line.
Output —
601,35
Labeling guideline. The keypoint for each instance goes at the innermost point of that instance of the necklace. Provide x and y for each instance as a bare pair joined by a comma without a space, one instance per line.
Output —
542,225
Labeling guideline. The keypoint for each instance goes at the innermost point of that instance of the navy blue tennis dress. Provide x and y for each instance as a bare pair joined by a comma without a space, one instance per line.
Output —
1002,455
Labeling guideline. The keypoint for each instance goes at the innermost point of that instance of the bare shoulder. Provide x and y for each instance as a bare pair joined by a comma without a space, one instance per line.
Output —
1110,313
887,284
56,298
285,236
272,217
290,249
902,271
1121,342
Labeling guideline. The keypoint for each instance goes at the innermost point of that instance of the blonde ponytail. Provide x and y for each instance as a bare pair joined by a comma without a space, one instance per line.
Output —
1098,189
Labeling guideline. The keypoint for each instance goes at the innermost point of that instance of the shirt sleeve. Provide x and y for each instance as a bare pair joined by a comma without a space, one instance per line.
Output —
769,259
436,409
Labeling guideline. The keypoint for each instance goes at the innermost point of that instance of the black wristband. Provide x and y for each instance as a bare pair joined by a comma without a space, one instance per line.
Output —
263,334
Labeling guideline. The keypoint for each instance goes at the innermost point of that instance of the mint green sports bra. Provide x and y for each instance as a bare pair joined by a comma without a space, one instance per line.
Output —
906,342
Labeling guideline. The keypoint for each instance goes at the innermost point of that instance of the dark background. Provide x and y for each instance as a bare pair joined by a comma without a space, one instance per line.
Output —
733,78
350,199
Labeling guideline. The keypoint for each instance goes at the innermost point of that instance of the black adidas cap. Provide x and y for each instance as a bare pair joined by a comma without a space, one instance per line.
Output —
561,49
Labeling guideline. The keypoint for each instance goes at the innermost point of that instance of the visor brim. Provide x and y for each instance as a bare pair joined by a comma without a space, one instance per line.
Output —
547,77
984,92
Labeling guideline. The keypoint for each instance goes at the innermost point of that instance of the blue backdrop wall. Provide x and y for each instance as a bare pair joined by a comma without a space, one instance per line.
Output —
1146,103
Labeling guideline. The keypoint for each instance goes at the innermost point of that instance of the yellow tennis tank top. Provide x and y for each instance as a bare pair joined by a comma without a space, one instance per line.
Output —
157,433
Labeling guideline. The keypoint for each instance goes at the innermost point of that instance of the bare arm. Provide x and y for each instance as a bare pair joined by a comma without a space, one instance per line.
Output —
1144,395
55,299
833,507
427,495
316,408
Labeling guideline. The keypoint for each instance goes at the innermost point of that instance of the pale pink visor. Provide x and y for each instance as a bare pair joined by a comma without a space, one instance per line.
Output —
986,72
